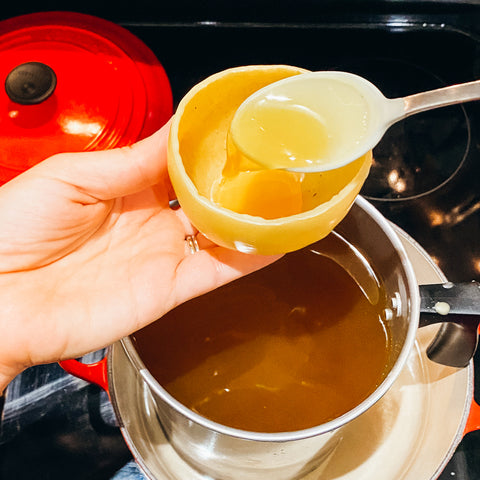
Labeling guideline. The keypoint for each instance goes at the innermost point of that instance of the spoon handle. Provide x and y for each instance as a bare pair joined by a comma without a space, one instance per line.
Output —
440,97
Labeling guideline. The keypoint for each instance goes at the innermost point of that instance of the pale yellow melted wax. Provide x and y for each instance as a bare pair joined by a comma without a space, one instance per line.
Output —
282,134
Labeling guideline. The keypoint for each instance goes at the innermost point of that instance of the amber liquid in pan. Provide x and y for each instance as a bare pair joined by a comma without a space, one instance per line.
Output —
286,348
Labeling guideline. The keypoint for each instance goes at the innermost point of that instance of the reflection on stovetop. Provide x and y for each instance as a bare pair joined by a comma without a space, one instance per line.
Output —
421,153
426,175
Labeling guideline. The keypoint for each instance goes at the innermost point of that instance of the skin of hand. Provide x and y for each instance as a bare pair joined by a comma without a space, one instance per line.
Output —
90,251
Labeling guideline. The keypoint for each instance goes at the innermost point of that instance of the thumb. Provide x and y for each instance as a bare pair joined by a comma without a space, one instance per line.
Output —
112,173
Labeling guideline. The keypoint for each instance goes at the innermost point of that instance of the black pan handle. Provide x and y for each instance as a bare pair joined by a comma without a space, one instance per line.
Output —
457,306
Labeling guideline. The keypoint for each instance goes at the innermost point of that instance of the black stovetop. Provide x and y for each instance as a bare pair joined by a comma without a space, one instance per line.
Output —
426,177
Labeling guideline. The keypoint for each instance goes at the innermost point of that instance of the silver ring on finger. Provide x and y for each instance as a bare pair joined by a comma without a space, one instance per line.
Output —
192,243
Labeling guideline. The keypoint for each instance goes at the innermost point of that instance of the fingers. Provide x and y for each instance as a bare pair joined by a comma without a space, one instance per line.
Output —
114,173
187,226
209,268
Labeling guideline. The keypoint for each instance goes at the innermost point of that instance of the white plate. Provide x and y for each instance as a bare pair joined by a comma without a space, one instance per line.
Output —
410,434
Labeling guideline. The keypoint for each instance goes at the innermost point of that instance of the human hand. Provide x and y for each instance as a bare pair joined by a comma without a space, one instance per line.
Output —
90,251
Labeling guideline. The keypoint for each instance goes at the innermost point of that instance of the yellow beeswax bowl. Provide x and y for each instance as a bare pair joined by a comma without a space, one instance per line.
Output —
197,153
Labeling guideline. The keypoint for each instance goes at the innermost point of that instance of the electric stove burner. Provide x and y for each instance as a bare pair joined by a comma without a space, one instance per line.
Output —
421,153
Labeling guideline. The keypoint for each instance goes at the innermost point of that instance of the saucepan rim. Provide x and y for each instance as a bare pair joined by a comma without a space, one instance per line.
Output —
414,314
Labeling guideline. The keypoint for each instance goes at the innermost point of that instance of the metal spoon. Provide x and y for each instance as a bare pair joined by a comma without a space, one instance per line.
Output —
342,100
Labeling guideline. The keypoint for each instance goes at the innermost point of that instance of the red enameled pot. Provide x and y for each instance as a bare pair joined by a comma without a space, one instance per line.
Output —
74,82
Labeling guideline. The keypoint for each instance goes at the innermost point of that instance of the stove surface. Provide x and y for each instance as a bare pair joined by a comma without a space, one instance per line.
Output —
425,177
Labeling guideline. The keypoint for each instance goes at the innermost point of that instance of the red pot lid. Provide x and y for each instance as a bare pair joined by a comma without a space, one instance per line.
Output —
73,82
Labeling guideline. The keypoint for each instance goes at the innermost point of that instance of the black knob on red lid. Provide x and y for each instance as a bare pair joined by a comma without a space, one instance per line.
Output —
30,83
